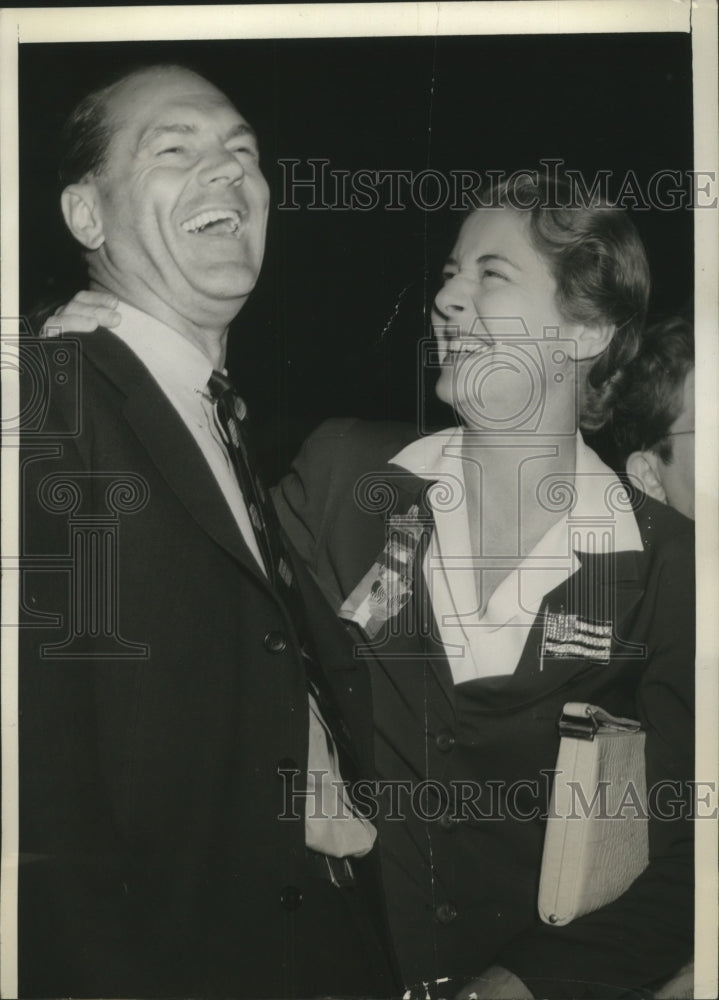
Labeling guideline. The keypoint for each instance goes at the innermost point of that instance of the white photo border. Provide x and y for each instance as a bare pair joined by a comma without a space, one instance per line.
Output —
54,25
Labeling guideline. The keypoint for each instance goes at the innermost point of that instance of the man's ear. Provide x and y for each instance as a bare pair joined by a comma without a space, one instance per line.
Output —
590,341
644,468
81,210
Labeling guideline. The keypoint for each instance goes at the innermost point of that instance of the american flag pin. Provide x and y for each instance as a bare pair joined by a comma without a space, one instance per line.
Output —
575,636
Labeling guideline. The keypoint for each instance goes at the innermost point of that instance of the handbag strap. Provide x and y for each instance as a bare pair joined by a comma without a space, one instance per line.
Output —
583,721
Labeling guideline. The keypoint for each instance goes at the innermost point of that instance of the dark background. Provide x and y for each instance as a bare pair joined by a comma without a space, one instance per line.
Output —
333,326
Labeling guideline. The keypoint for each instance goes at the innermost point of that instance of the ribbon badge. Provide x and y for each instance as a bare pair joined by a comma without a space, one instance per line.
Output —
387,586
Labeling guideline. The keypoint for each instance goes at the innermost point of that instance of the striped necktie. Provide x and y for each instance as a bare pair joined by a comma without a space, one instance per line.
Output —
232,418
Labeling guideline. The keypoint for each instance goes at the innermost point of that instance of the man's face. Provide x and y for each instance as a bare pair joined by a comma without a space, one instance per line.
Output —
183,202
677,476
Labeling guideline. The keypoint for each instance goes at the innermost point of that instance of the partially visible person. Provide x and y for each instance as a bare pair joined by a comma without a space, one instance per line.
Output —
653,419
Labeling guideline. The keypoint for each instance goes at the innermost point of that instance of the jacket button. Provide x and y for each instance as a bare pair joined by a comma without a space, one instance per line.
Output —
446,913
285,765
448,822
275,642
290,897
444,742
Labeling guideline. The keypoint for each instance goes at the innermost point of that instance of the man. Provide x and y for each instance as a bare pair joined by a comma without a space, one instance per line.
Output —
177,663
654,419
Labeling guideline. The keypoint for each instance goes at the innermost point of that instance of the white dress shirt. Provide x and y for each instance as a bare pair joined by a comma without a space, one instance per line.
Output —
600,519
182,372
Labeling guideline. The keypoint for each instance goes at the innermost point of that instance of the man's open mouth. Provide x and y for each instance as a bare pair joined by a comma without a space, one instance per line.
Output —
214,222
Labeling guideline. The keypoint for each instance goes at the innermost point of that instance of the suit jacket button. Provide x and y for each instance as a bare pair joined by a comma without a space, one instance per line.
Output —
444,742
275,642
290,897
448,822
446,913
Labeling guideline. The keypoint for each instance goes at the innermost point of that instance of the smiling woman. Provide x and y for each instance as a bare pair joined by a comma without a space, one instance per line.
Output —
532,277
457,557
540,311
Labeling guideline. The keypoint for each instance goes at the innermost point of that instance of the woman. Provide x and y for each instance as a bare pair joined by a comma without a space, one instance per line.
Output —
540,311
471,564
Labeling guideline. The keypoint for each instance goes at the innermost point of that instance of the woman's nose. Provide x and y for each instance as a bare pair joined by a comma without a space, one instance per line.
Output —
451,299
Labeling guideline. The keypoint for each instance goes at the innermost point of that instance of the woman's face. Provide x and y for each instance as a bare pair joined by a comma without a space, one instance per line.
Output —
502,341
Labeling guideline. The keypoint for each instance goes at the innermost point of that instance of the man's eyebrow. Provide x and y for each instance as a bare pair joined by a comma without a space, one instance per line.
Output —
175,128
184,128
242,128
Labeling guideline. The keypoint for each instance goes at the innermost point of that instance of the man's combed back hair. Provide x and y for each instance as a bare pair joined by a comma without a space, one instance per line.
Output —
87,132
654,391
600,266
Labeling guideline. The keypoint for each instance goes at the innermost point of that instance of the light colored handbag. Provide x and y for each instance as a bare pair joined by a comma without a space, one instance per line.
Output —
596,842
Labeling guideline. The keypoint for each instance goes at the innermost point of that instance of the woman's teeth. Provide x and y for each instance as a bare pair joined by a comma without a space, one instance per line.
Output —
467,346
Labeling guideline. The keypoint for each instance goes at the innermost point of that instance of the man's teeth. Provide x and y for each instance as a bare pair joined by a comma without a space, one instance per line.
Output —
199,222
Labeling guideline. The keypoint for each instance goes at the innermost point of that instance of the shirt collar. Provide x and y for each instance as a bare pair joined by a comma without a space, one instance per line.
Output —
600,497
426,457
172,359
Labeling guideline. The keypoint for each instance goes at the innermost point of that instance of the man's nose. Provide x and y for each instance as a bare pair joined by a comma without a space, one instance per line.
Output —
219,166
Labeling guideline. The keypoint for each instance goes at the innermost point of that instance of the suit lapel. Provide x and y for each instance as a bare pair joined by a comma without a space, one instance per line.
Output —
411,636
432,645
170,445
605,589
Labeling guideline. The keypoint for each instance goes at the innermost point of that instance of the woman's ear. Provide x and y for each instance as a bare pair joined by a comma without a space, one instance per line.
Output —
592,340
644,468
81,210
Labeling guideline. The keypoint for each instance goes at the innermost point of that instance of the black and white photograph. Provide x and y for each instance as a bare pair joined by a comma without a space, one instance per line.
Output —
360,472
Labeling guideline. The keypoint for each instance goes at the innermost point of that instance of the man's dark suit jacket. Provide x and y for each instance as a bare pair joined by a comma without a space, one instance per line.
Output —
463,896
161,689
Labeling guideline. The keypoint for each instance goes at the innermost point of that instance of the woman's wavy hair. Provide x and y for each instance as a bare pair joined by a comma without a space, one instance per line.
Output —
600,266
